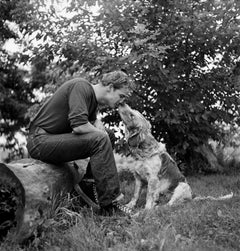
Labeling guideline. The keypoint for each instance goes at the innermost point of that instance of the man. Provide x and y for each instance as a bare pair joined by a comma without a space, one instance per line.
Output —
66,128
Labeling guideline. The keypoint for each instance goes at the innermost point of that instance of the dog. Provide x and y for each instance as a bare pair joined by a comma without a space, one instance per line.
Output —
153,164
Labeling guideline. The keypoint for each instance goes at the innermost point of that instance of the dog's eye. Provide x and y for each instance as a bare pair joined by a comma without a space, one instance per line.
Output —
131,115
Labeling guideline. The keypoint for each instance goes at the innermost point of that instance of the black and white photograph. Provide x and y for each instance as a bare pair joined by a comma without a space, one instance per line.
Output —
119,125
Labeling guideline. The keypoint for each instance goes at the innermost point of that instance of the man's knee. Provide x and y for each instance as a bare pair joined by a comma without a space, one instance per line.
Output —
102,138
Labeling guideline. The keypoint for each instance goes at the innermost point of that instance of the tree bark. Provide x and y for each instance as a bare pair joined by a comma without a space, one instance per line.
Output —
208,153
27,188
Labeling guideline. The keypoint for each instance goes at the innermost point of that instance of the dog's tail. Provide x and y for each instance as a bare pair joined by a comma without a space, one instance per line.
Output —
224,197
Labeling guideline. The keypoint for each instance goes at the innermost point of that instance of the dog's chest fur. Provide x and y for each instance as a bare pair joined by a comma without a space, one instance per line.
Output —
149,167
159,165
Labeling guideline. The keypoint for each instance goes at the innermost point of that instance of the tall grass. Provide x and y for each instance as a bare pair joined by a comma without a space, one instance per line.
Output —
194,225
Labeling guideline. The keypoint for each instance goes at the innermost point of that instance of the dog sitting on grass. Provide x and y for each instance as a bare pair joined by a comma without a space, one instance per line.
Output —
153,164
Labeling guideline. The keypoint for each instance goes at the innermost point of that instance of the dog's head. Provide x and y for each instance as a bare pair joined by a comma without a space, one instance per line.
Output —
135,124
138,131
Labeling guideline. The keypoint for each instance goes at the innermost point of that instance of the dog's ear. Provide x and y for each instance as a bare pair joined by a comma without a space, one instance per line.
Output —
134,140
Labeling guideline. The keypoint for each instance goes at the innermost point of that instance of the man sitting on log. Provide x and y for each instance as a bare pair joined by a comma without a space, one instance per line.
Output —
66,128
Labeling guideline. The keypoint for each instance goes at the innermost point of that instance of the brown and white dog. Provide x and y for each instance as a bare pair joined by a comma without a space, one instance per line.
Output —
152,162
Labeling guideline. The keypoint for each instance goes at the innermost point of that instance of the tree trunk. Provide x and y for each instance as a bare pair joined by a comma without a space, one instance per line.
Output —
208,153
27,187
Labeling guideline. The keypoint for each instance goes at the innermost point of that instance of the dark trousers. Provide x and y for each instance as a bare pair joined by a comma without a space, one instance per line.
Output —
59,148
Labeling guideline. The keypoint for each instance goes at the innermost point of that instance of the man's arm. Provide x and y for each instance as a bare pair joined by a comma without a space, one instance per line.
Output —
86,128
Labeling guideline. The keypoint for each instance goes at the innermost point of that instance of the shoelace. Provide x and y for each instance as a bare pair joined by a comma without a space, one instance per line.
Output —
91,182
95,193
123,208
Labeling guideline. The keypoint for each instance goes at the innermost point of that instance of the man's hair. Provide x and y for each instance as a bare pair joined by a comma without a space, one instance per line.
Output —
119,79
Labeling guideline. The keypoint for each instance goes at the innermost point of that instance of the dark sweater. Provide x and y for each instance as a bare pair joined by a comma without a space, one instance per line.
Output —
72,105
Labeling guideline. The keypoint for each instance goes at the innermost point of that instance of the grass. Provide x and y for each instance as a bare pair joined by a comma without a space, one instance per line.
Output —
194,225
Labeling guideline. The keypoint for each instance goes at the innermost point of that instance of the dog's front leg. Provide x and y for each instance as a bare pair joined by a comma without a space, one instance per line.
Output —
151,189
137,189
156,187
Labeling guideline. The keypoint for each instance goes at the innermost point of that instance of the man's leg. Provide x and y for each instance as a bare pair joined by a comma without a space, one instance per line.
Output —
112,138
68,147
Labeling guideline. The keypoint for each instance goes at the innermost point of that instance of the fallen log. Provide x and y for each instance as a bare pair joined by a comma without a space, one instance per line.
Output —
27,187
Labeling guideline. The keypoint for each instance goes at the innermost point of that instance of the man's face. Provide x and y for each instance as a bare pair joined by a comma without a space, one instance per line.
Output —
115,96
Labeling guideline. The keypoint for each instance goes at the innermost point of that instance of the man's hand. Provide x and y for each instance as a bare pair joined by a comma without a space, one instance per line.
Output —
98,124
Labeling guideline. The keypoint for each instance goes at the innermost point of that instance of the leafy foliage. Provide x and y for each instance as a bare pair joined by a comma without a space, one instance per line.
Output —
15,92
179,53
195,225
